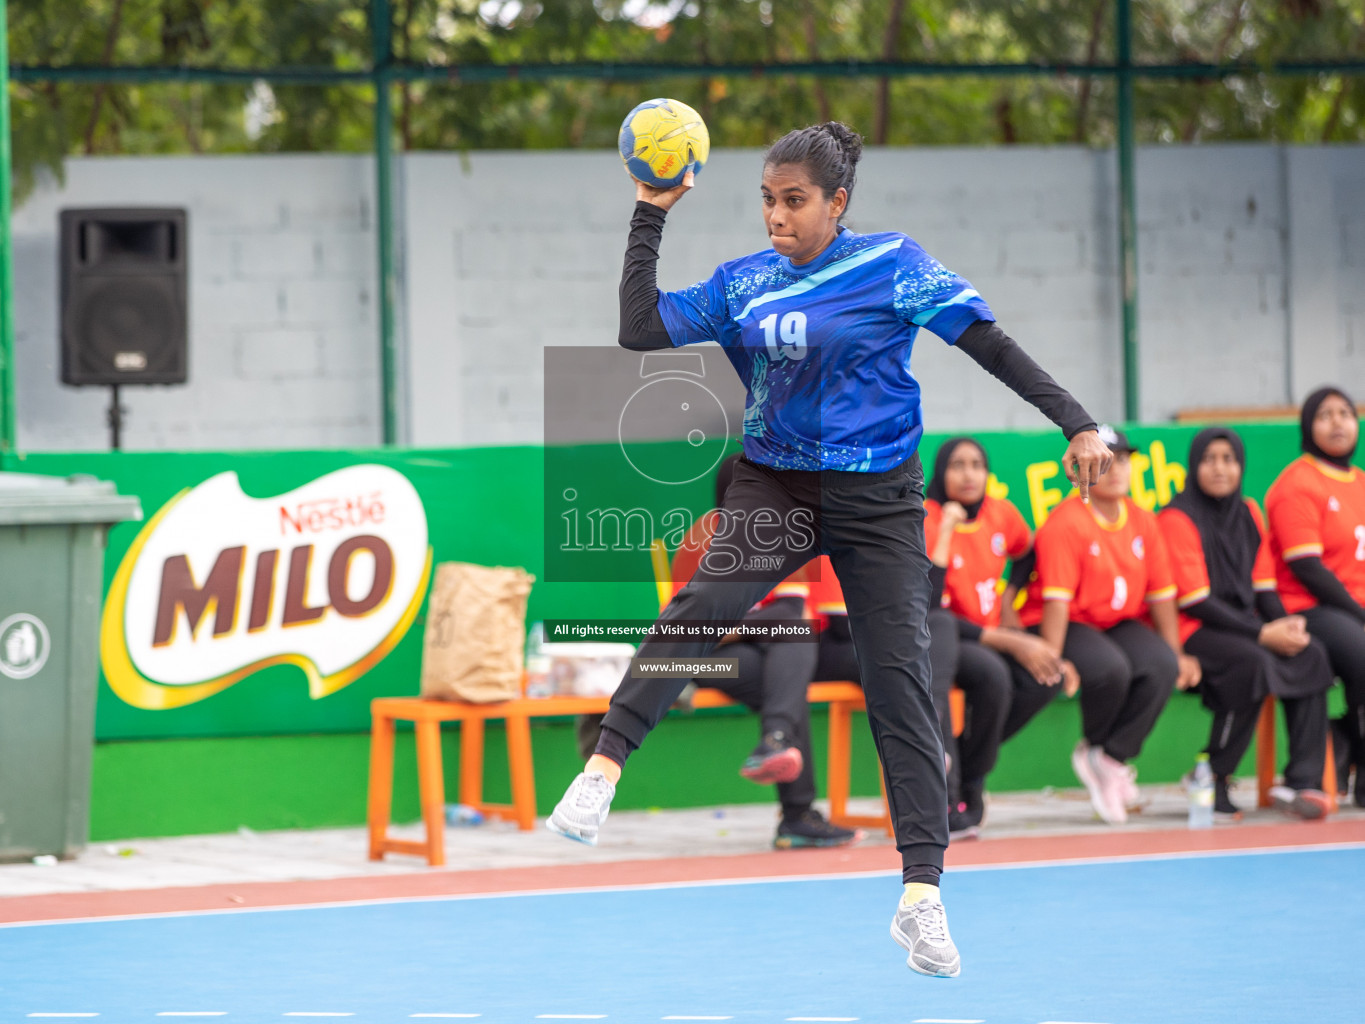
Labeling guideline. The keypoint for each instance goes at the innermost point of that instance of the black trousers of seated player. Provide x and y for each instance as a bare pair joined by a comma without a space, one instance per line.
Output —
1238,675
772,682
1344,639
1127,675
872,527
999,697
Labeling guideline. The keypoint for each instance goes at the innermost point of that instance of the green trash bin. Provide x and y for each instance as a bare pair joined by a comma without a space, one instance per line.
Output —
52,533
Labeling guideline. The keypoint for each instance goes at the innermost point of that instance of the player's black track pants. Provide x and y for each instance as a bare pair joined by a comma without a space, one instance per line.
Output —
872,527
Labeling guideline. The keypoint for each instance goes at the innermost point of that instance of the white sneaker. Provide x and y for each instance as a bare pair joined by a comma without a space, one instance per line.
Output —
922,929
583,808
1104,787
1132,796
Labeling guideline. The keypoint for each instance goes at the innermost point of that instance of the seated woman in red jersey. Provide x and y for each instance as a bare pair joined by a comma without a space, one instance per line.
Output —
1316,510
1102,568
1006,675
1234,622
773,676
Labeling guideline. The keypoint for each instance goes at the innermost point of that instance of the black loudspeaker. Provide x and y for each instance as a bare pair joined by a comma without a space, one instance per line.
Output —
123,297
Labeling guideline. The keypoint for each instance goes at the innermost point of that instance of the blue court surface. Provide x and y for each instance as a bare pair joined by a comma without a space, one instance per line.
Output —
1270,937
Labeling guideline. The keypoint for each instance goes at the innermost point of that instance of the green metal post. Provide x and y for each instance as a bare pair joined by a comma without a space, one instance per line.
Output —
382,32
7,421
1127,212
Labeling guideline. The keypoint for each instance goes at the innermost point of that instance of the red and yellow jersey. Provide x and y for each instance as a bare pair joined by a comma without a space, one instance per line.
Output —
695,544
1190,569
977,557
1107,571
1317,510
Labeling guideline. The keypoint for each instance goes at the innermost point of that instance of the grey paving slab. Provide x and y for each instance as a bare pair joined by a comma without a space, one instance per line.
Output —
247,856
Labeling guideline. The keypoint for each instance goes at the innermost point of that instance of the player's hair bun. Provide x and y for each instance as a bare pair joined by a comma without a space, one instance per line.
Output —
849,140
829,152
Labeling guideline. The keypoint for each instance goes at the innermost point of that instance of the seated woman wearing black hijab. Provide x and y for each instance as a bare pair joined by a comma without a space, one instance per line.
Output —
1233,621
1316,509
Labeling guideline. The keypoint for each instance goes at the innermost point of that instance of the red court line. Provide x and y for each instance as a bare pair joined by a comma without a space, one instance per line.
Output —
774,864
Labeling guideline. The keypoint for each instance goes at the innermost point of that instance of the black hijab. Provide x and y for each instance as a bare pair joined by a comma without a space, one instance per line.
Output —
1226,526
1311,404
937,490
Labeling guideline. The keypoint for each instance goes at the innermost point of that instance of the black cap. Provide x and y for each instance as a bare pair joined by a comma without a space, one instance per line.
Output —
1115,439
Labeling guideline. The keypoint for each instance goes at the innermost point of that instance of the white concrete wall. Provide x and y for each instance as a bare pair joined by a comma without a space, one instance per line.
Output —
282,329
1252,282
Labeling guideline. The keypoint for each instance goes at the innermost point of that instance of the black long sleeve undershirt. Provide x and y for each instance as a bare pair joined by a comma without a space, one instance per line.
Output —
642,329
1218,614
1323,584
1269,606
1000,356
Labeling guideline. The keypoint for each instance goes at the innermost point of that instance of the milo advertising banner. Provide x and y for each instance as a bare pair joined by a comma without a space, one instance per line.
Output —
219,585
279,592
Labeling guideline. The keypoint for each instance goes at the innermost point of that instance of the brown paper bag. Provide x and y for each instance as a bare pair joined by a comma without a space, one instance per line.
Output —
476,633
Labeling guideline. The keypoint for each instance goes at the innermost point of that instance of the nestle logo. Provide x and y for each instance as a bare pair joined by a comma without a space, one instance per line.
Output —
323,514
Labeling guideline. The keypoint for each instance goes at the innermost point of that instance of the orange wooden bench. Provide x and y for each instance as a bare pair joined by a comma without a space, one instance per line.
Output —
1265,760
427,715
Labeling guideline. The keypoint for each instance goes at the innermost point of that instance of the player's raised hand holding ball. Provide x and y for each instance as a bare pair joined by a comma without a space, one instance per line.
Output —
664,145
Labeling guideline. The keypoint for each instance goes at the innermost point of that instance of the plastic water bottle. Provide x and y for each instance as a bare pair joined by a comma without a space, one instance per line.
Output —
538,682
1201,794
461,815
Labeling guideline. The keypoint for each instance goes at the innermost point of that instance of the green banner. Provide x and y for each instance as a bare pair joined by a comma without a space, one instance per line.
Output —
279,592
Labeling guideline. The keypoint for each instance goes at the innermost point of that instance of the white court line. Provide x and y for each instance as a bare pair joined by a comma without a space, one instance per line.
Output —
822,1018
63,1014
945,1020
317,1013
570,1016
465,1015
1067,1022
385,901
192,1013
678,1016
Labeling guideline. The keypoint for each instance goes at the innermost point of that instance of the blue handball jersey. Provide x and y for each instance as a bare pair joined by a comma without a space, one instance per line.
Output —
824,348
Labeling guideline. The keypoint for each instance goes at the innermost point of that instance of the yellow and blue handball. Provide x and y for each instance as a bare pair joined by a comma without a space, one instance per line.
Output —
661,140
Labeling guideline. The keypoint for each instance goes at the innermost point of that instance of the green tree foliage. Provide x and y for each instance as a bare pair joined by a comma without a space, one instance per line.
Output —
52,120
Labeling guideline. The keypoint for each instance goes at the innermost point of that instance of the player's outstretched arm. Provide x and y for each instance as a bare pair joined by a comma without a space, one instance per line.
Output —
642,328
1086,455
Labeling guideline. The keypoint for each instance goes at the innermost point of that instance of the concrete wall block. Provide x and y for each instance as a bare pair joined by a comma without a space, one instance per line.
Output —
1353,239
1230,295
212,255
345,302
349,255
490,253
1029,250
239,302
275,256
1256,248
278,354
350,354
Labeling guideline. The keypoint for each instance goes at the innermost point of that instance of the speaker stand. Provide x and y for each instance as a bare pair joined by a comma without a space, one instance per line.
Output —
115,418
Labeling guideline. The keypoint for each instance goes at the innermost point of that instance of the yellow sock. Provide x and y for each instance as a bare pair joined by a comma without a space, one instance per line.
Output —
916,891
